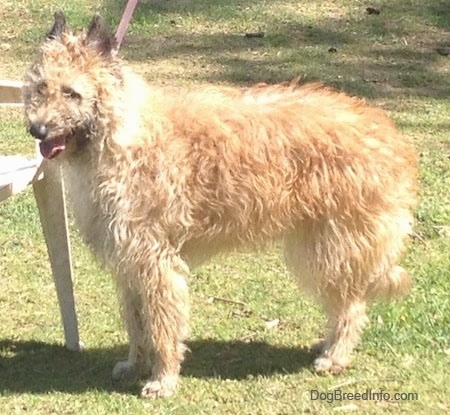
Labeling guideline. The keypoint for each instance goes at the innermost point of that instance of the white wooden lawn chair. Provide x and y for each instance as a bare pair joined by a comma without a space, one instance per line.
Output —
16,173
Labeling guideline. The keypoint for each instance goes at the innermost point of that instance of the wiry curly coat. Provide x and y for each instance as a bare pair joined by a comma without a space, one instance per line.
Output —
163,178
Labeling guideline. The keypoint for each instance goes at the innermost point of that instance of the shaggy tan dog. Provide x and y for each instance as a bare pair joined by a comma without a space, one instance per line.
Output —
161,179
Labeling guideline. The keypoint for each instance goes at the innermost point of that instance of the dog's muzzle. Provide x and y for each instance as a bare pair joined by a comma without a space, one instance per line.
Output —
49,147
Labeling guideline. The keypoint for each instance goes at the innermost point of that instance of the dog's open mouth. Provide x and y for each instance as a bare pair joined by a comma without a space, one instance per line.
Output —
50,148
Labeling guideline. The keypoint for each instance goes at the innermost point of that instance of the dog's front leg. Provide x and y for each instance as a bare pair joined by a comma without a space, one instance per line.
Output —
137,363
165,323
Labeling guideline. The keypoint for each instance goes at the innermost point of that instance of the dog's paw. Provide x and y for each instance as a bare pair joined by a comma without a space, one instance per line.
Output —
327,365
124,370
160,388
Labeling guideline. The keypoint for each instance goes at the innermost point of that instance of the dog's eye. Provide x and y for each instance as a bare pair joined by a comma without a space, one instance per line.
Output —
42,88
69,93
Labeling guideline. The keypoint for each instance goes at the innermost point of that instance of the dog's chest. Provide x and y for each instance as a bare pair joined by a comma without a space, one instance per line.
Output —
78,182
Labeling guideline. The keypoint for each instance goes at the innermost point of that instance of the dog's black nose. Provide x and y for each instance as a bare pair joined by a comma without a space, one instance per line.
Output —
38,130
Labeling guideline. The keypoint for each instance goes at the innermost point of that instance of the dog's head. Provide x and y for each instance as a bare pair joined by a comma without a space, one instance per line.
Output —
64,89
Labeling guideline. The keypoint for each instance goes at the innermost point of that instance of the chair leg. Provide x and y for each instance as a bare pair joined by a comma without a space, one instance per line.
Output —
49,194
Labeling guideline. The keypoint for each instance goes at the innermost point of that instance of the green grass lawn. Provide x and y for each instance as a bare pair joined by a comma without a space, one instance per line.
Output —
238,364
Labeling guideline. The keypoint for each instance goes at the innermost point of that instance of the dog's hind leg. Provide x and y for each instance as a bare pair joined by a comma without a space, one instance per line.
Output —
165,320
347,316
306,256
357,269
346,320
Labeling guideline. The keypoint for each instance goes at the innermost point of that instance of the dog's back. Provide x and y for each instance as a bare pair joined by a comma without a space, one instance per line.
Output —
254,163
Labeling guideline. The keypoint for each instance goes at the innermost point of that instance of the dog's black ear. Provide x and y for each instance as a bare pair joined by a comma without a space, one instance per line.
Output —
59,26
98,37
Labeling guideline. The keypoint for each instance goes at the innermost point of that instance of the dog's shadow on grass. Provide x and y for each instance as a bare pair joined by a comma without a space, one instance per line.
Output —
239,360
36,367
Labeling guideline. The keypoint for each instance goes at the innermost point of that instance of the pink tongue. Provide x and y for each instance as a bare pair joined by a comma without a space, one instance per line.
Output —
50,148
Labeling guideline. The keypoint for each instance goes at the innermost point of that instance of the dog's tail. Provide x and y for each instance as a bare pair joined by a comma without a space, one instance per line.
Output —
394,284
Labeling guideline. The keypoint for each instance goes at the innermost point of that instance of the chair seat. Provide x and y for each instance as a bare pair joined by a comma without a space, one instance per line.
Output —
16,172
